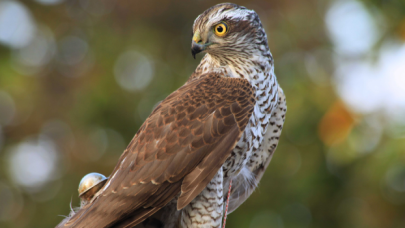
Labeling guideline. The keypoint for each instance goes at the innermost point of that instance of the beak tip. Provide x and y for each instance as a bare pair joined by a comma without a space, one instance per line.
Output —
196,48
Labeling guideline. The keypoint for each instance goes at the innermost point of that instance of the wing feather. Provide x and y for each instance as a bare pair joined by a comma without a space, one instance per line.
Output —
178,150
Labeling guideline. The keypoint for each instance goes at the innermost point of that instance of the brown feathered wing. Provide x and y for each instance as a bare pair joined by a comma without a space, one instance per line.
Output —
177,150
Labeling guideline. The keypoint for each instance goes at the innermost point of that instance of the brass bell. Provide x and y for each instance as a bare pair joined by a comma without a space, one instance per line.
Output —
90,185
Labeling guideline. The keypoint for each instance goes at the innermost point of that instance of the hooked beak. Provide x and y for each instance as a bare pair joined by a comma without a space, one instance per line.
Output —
197,45
196,48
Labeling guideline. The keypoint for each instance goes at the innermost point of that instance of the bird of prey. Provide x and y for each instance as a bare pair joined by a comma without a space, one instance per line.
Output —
223,124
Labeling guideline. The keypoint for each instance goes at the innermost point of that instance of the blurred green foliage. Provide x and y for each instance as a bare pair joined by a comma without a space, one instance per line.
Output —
72,97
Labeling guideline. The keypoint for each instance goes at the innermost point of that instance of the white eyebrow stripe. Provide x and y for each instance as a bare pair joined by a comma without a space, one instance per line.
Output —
232,14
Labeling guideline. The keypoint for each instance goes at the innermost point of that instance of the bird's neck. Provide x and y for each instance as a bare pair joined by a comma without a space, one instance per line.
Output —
255,67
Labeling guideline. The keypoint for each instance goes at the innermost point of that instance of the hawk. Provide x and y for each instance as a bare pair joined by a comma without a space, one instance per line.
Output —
223,124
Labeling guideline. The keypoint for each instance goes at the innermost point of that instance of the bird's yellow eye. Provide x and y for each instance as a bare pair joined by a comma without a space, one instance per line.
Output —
221,29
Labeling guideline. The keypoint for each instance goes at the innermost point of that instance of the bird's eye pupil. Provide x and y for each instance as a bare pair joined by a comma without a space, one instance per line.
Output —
221,29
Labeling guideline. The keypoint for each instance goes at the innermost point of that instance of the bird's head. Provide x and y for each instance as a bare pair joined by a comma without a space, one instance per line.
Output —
227,29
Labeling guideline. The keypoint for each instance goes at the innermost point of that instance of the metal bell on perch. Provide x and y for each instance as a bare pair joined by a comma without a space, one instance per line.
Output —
89,186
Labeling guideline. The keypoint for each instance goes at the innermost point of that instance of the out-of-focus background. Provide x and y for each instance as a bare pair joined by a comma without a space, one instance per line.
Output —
79,77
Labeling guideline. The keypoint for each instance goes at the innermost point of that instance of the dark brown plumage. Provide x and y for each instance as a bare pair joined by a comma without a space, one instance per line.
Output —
178,149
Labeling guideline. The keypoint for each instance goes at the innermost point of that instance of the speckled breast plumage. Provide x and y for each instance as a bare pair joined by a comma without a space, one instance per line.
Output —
246,152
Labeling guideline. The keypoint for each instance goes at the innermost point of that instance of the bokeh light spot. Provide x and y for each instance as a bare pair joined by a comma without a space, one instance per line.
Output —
351,27
49,2
336,124
375,87
39,51
72,50
16,25
33,163
133,71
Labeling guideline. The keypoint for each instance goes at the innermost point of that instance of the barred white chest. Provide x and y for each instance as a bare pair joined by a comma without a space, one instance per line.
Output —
260,73
246,152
